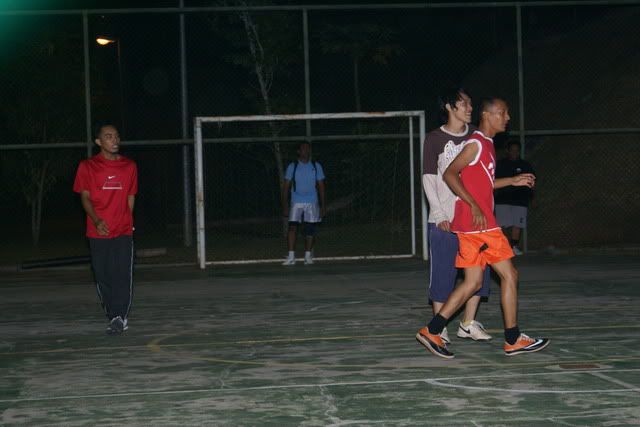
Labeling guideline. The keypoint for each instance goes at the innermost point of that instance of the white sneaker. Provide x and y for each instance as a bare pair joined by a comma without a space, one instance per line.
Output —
445,336
516,250
289,261
475,331
308,260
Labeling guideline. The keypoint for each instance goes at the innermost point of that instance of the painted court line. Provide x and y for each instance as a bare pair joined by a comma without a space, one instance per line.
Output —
390,294
351,337
615,381
434,381
157,346
312,365
320,307
154,346
526,391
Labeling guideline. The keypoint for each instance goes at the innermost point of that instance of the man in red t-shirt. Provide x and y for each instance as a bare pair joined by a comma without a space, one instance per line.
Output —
107,184
471,176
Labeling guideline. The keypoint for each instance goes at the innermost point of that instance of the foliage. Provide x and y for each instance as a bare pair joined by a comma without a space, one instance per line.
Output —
42,104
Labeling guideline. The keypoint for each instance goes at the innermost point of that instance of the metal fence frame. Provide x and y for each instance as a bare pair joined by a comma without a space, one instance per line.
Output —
181,10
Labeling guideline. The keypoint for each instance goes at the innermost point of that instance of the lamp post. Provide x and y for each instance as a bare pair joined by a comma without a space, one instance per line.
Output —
105,41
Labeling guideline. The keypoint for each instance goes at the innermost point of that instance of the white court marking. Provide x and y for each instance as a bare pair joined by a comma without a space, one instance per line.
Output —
319,307
435,382
614,380
628,387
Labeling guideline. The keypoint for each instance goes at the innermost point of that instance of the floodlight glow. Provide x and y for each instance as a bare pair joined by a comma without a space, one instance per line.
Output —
103,41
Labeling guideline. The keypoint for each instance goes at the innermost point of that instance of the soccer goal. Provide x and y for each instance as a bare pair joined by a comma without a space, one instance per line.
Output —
369,160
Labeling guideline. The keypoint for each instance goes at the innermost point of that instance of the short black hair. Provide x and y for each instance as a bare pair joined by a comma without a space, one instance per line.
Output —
450,95
489,102
513,142
100,125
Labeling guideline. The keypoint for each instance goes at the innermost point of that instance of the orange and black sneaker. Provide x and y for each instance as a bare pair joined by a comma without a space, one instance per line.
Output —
525,344
434,343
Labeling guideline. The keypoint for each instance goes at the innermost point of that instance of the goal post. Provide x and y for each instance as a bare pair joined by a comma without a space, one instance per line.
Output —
201,139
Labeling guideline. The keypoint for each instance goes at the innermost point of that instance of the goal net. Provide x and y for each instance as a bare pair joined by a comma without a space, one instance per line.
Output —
370,163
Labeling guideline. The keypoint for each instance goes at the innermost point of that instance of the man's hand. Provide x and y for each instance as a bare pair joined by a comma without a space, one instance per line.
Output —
479,220
323,211
524,180
285,211
102,227
444,225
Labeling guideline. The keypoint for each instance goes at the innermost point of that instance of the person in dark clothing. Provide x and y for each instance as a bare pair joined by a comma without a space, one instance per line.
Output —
512,203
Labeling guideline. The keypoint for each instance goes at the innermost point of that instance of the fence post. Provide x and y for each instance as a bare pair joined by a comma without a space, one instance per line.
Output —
521,98
87,81
186,164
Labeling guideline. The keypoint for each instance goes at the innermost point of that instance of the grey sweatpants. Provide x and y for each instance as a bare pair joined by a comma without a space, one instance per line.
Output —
112,263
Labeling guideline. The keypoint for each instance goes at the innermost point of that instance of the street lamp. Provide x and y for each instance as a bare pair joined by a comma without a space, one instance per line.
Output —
105,41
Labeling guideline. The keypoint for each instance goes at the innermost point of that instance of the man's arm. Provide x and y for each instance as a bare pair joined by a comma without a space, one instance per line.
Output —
436,211
133,190
522,180
433,149
285,197
452,178
101,226
323,206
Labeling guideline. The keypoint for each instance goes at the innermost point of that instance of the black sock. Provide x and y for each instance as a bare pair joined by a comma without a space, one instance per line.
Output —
511,335
514,242
437,324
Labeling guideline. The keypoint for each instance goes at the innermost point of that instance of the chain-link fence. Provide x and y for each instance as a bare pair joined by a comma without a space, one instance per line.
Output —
569,73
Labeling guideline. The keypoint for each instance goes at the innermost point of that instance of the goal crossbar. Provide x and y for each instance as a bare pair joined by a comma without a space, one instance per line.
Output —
199,167
314,116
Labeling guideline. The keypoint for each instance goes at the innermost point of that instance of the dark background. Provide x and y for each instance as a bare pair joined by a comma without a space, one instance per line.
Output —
580,101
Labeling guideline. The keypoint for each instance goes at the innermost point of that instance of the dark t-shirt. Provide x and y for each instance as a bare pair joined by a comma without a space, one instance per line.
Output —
517,196
441,146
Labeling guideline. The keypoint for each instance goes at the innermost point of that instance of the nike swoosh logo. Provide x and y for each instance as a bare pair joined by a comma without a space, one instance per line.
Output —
468,331
111,177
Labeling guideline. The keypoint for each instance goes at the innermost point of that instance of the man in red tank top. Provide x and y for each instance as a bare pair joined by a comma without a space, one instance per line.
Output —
471,176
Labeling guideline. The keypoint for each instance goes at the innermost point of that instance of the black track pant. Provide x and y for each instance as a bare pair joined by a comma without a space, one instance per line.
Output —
112,262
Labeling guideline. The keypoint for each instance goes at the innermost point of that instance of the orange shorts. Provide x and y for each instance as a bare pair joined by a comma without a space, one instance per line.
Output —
480,249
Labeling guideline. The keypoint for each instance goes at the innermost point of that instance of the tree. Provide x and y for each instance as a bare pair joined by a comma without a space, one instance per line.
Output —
361,42
42,104
265,48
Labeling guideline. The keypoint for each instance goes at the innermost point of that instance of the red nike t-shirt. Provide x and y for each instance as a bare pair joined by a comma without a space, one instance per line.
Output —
109,183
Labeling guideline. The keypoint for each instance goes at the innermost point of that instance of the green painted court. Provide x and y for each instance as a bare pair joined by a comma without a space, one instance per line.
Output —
329,344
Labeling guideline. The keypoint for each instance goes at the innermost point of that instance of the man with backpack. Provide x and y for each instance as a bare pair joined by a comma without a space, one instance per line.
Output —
304,181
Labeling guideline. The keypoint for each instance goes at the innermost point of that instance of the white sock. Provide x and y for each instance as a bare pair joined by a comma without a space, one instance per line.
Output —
292,255
307,254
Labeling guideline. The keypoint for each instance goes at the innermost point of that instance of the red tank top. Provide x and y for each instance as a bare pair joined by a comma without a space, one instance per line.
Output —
477,178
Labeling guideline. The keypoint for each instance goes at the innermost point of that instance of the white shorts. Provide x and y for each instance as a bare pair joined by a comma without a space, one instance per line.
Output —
511,216
305,212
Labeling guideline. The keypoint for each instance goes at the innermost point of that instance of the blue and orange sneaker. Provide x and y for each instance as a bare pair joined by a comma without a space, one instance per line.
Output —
525,344
434,343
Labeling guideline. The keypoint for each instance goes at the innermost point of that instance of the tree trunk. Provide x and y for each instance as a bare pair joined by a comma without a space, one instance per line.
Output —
37,204
393,192
35,233
265,77
356,83
356,90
